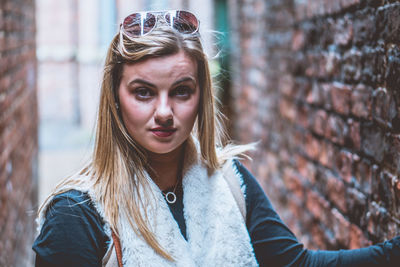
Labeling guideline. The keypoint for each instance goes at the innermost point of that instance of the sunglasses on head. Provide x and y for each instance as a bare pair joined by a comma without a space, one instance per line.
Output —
141,23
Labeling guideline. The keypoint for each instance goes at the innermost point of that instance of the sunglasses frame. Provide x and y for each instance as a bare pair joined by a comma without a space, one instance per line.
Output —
157,14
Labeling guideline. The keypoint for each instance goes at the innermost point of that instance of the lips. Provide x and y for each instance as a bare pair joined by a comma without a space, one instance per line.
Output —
163,131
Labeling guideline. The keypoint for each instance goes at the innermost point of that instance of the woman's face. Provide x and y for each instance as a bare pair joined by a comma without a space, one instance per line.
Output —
159,99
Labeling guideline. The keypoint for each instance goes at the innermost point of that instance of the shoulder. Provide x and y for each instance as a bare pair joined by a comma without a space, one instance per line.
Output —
72,202
69,198
247,180
242,170
72,208
235,169
257,202
71,205
72,229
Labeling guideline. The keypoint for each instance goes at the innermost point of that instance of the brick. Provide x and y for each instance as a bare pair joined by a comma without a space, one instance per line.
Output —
303,115
343,31
332,7
313,9
298,40
302,88
327,154
318,122
392,75
341,228
315,96
300,11
393,154
348,3
344,164
293,183
318,206
389,25
312,146
374,64
319,236
397,190
294,205
375,3
306,169
386,190
288,86
373,141
375,182
332,63
337,129
340,95
377,219
326,96
298,138
384,107
364,26
393,229
5,83
361,101
357,238
353,140
314,64
281,18
352,66
287,110
335,190
357,204
299,61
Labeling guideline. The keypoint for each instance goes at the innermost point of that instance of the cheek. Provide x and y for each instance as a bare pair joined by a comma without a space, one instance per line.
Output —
134,114
188,113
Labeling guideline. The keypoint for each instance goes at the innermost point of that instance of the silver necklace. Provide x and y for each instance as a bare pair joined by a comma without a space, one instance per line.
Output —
170,196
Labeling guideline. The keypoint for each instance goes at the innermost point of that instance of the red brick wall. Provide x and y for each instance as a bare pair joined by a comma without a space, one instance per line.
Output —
319,85
18,131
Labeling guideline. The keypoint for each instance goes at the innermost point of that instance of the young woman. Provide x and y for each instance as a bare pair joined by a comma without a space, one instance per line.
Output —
161,190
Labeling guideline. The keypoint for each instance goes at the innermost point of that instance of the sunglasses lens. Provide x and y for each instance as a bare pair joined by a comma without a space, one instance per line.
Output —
183,21
149,23
136,25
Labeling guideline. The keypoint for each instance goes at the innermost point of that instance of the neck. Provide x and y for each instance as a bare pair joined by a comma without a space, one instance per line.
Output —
166,169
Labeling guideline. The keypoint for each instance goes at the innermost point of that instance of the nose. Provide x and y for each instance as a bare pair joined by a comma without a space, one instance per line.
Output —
164,111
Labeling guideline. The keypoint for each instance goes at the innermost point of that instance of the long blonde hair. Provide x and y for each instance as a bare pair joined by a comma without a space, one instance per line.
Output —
117,171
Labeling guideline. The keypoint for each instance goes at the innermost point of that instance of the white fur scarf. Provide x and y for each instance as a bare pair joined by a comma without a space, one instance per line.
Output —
216,231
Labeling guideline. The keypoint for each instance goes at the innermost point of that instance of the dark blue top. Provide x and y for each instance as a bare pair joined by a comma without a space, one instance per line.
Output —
72,235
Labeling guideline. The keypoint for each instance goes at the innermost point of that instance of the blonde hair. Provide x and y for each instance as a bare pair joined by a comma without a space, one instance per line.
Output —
117,171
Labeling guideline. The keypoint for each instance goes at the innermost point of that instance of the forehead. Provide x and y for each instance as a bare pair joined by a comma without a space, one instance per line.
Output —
164,67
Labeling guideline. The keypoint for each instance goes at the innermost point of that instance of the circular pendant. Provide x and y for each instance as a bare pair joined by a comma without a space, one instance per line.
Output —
170,197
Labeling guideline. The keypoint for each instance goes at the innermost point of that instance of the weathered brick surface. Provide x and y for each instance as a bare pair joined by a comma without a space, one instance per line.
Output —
18,132
319,88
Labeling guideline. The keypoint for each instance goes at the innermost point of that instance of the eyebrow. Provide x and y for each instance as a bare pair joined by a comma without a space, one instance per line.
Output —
181,80
185,79
142,82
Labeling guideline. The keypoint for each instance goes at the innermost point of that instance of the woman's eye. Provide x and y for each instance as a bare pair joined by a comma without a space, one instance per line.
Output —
183,92
143,93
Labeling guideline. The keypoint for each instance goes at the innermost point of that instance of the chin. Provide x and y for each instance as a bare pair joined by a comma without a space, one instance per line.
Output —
160,149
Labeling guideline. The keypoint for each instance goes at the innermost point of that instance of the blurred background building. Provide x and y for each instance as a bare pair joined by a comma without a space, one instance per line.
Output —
18,132
316,82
